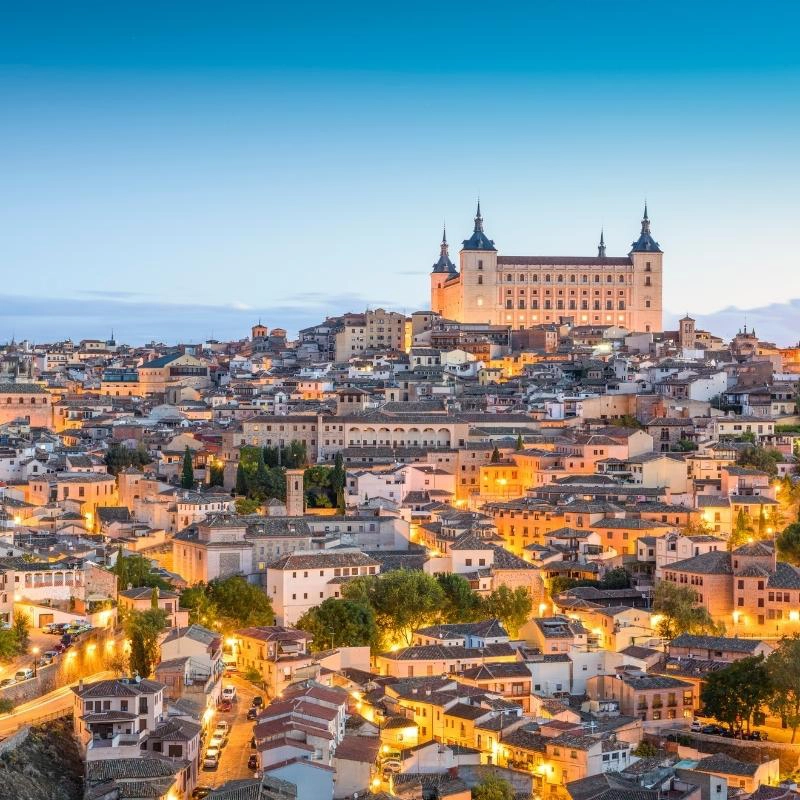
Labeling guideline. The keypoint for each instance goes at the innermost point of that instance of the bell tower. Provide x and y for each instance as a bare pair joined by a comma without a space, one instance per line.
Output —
479,277
646,292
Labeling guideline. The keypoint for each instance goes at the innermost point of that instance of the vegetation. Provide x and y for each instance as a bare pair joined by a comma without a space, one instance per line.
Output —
764,458
6,705
227,603
511,606
402,601
461,604
216,475
495,457
135,570
118,457
341,623
187,471
733,694
15,640
680,614
627,421
783,671
617,578
142,628
493,787
788,496
561,583
789,544
645,750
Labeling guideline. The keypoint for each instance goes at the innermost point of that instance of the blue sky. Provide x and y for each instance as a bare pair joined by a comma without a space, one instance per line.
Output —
177,170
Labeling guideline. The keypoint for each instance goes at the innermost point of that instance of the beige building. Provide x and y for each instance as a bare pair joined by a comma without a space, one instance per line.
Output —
371,331
522,291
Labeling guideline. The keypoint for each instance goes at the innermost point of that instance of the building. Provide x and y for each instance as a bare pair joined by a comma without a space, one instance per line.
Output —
522,291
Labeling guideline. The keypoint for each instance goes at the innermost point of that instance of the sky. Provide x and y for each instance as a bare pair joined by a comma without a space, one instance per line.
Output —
179,170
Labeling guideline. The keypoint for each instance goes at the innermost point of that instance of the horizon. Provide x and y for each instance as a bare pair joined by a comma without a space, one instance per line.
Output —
158,165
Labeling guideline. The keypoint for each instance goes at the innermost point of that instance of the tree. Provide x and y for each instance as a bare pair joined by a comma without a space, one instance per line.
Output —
511,606
789,544
403,600
216,475
493,787
617,578
783,667
247,505
764,458
143,628
495,458
680,613
21,628
742,530
118,457
229,603
338,478
135,570
9,646
341,623
187,473
520,445
562,583
241,480
787,492
733,694
319,490
461,604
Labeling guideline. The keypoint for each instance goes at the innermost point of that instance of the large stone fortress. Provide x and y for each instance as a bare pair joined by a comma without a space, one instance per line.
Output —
530,290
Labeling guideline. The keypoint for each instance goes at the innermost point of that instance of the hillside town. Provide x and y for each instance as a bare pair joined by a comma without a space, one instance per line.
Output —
406,556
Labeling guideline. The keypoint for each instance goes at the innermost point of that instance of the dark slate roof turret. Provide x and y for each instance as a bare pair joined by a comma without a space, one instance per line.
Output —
601,248
478,240
444,264
645,243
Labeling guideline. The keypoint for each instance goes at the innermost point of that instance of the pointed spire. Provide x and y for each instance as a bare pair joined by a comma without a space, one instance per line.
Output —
478,219
601,248
444,264
645,243
645,221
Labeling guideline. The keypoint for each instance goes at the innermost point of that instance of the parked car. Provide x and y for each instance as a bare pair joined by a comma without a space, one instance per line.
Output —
223,725
252,762
211,759
252,712
229,693
258,701
252,742
51,654
696,726
58,648
23,674
201,791
7,682
217,742
225,705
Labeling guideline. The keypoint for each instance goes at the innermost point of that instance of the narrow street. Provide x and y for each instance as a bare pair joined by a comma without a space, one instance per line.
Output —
233,763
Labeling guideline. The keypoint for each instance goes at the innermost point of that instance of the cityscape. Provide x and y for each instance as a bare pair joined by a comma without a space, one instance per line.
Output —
308,494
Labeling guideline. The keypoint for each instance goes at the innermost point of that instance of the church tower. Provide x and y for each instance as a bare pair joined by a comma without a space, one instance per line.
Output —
646,303
479,276
687,338
443,270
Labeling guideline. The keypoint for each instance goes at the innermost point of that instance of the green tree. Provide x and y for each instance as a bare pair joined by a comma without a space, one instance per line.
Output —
143,628
783,667
788,495
216,475
561,583
789,543
187,472
742,530
495,457
135,570
21,628
520,445
460,604
241,480
733,694
319,489
511,606
645,750
9,647
403,600
617,578
119,457
229,603
680,613
764,458
341,623
338,476
247,505
493,787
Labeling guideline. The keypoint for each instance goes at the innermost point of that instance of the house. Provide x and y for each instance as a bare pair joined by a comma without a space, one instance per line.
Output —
143,597
278,653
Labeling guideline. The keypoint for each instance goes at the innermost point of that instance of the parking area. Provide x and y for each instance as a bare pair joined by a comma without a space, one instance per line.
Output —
233,761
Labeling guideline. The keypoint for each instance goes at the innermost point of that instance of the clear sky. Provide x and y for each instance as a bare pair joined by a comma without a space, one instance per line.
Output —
177,169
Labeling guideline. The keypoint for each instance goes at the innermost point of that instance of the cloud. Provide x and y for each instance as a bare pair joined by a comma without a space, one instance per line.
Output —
112,293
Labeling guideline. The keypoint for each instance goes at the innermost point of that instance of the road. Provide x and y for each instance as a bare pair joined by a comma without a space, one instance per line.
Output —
51,703
38,639
233,763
